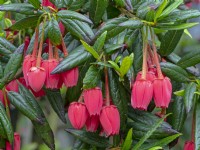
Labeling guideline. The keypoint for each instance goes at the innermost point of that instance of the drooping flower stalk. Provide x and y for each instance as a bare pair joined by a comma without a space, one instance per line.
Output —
144,65
107,86
35,47
64,47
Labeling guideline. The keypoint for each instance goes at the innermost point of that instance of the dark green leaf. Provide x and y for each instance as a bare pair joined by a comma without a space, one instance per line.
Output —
2,132
79,29
77,4
57,104
131,24
161,142
35,3
120,3
149,133
190,59
178,116
77,57
5,122
25,23
68,14
131,36
90,138
112,48
143,9
128,141
189,95
22,8
97,9
174,72
112,27
170,41
98,45
176,27
119,96
181,15
60,3
54,33
92,78
6,48
14,63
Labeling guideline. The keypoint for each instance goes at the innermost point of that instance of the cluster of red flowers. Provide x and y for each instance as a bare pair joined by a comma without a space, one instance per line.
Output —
93,112
150,83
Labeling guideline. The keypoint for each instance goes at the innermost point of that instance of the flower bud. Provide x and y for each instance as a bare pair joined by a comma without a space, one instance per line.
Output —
70,77
189,145
162,91
51,79
93,100
77,114
142,94
110,120
36,78
92,123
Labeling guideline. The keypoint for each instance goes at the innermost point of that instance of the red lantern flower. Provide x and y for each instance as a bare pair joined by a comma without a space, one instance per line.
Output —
77,114
110,120
17,143
93,100
70,77
189,145
162,91
142,94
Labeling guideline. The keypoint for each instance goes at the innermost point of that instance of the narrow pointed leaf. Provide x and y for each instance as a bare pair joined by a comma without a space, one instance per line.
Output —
90,138
160,9
189,95
174,72
170,41
98,45
128,141
131,24
176,27
54,33
91,78
56,101
5,122
190,59
68,14
97,9
126,64
77,57
35,3
6,48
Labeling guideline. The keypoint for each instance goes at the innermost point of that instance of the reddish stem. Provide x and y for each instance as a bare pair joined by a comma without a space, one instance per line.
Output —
39,58
81,98
144,66
193,127
64,47
35,47
56,54
107,87
157,62
50,50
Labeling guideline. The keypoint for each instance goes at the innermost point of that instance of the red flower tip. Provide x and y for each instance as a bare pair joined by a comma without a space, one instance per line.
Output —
17,143
77,114
36,78
189,145
70,77
93,100
110,120
12,86
142,94
51,80
29,61
162,91
47,3
92,123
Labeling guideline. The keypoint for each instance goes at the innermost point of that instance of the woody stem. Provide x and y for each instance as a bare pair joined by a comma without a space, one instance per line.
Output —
56,53
35,47
144,65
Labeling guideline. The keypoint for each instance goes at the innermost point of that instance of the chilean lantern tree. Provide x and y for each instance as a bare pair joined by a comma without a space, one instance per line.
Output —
107,68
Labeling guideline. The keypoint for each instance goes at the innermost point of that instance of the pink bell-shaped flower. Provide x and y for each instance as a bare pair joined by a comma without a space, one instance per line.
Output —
36,78
149,76
92,123
70,77
142,93
52,80
162,91
12,86
110,120
17,143
189,145
78,114
29,61
93,100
